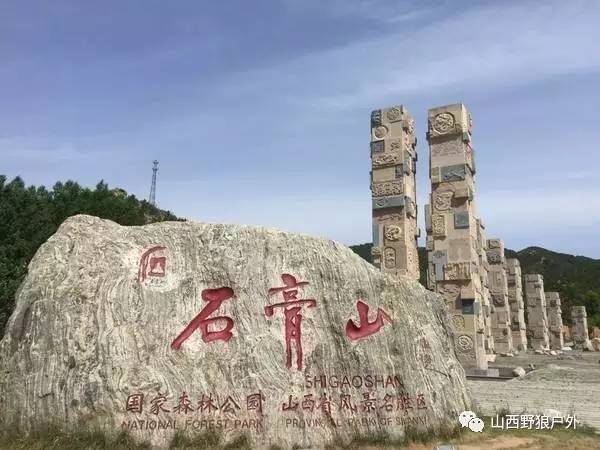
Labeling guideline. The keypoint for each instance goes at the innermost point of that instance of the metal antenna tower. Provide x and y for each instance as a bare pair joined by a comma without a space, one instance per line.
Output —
152,198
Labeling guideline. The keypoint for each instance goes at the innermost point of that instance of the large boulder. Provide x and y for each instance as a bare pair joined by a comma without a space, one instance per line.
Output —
184,326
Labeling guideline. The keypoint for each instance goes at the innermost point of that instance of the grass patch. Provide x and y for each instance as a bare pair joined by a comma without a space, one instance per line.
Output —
52,437
383,440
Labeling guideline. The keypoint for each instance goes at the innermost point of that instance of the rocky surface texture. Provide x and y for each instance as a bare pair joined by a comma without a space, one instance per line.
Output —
115,327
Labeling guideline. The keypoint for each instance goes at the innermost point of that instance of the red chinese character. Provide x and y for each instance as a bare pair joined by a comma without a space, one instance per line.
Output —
346,403
324,404
229,405
308,404
152,266
293,319
157,404
134,403
254,402
184,405
214,297
404,402
365,328
369,402
206,404
291,406
421,402
387,403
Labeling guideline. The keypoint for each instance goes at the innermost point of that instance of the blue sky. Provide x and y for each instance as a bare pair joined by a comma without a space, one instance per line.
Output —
259,110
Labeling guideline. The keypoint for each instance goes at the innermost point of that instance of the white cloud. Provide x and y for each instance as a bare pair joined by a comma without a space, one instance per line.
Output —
496,44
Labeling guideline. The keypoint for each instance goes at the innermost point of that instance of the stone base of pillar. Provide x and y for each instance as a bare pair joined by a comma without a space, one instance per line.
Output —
520,340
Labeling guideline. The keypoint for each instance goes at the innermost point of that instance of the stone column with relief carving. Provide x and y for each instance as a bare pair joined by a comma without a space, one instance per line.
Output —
579,331
555,323
537,320
516,303
486,302
499,292
454,268
393,189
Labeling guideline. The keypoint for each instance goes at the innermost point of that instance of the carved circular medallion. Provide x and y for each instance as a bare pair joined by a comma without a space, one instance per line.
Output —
394,114
443,123
498,299
464,344
393,232
380,132
458,321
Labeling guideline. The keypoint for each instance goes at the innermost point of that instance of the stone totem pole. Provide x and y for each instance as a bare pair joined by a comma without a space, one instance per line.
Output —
555,323
579,332
499,292
453,259
393,188
537,320
482,248
516,303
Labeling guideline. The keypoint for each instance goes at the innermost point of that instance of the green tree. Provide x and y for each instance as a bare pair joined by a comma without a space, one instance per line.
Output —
30,215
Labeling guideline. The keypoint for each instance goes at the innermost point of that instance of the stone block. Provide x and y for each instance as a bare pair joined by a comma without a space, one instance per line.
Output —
453,173
376,234
438,225
435,175
377,147
461,220
388,202
388,188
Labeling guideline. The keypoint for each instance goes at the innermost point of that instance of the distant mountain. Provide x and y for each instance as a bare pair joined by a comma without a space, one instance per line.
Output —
576,278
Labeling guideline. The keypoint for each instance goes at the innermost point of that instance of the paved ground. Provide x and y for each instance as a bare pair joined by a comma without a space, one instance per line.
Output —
569,383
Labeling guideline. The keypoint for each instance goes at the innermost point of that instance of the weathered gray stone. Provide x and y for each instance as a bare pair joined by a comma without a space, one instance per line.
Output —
581,337
98,313
498,283
555,323
519,372
517,305
537,320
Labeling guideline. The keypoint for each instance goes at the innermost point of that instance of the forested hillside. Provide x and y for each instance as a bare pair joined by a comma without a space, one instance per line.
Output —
576,278
29,215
